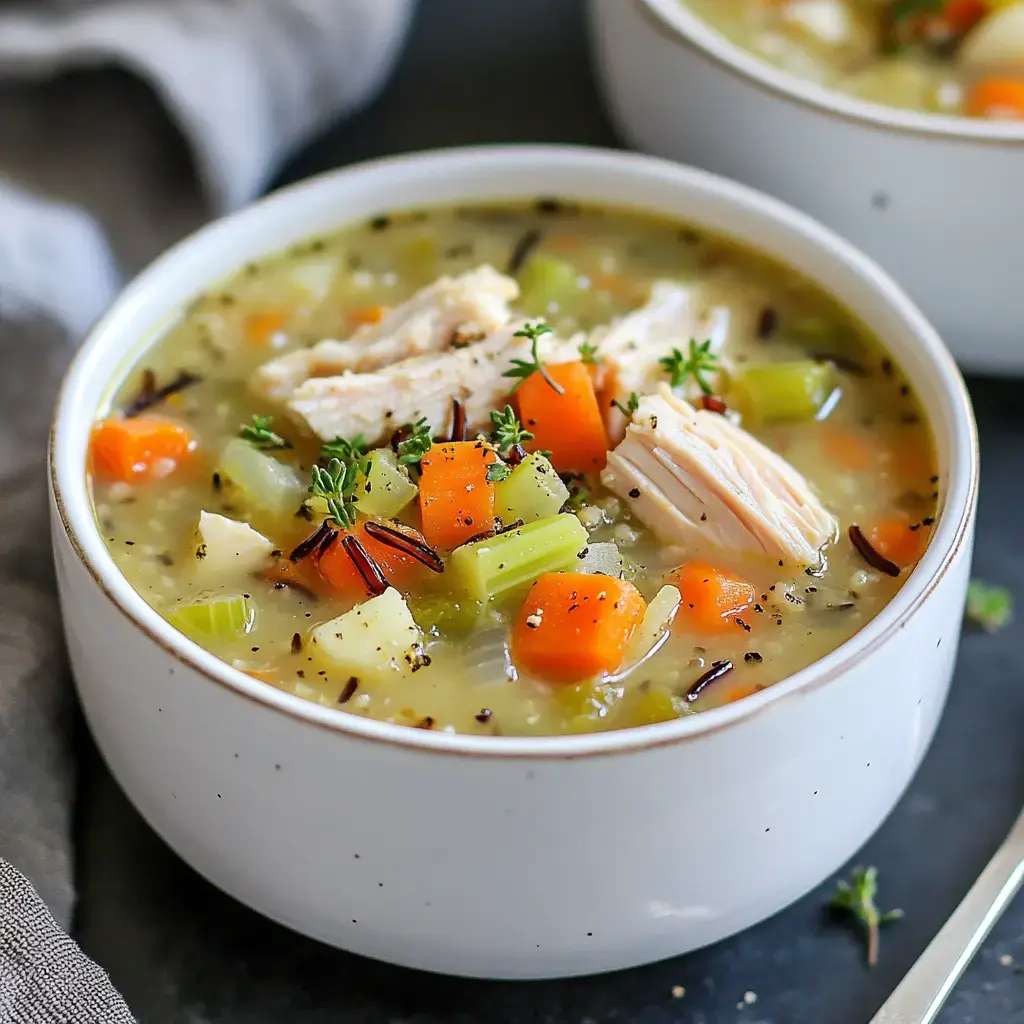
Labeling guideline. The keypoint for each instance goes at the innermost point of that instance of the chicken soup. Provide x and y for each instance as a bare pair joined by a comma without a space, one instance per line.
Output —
957,57
516,470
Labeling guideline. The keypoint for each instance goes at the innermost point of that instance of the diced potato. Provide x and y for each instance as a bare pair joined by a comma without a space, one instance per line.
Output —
374,640
997,43
386,489
602,559
226,546
315,277
532,491
267,483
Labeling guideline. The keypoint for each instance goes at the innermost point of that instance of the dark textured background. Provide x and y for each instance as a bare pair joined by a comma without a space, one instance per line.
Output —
182,953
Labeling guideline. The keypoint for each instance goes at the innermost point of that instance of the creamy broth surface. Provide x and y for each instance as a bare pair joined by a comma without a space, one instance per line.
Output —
841,415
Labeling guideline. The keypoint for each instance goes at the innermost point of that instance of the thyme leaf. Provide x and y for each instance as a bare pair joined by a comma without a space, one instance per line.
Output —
697,363
523,368
259,435
857,898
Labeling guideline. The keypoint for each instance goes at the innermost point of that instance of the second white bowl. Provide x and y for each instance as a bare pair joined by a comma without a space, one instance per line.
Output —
939,201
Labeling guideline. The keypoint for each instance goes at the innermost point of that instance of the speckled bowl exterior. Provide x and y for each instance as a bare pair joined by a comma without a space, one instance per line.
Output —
502,856
938,201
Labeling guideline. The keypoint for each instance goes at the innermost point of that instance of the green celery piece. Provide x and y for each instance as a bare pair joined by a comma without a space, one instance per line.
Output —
267,483
784,392
587,706
386,489
485,568
446,614
656,704
420,258
532,491
215,617
547,279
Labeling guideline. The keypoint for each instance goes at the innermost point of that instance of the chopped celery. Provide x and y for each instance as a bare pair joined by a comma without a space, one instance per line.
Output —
650,706
777,392
446,614
386,489
602,559
546,280
532,491
376,638
489,567
267,483
586,706
221,617
420,259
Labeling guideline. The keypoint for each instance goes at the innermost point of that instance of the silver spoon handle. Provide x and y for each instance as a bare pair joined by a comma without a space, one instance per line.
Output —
927,985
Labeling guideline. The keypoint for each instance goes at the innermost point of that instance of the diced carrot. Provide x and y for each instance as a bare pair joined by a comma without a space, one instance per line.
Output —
261,327
564,243
847,449
899,539
569,425
712,599
573,626
139,448
367,315
960,16
741,690
456,498
910,457
302,575
997,98
340,572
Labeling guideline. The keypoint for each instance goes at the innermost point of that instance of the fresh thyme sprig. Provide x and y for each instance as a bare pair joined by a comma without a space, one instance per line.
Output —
259,435
508,431
417,444
523,368
340,448
857,897
988,606
497,471
336,485
631,406
588,354
697,363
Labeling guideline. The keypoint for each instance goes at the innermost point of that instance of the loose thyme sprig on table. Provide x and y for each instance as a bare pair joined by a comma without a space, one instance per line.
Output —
857,898
259,435
697,363
523,368
336,485
989,607
417,444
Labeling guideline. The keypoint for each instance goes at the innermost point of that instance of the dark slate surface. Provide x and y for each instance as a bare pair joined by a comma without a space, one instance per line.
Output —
517,70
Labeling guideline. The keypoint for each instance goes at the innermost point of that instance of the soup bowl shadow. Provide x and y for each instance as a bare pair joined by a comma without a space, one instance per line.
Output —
510,857
937,200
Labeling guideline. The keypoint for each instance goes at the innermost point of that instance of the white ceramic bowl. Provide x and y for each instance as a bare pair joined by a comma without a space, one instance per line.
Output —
939,201
510,857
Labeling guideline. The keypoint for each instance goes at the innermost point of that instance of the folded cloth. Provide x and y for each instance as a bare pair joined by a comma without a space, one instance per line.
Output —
123,125
44,976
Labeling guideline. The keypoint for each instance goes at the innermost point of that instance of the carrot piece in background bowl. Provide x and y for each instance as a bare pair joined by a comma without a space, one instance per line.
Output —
899,539
261,327
573,626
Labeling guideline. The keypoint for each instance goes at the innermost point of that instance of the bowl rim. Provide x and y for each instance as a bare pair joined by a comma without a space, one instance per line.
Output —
677,23
73,417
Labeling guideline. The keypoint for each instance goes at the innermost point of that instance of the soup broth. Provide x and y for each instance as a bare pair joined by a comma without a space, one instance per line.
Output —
954,57
727,475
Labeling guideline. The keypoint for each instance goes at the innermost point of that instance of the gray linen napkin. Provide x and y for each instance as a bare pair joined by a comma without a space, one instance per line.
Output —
123,125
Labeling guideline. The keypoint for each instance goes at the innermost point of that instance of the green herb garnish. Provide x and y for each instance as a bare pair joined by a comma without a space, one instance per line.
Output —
259,435
336,485
698,362
346,451
858,898
417,444
631,406
579,495
498,471
901,9
508,431
523,368
988,606
588,354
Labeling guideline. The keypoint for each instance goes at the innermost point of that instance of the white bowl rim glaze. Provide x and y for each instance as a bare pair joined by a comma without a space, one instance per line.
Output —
73,503
677,22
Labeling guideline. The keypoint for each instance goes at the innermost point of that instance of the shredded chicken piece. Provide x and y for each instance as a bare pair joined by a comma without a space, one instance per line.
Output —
374,404
696,479
451,312
633,346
